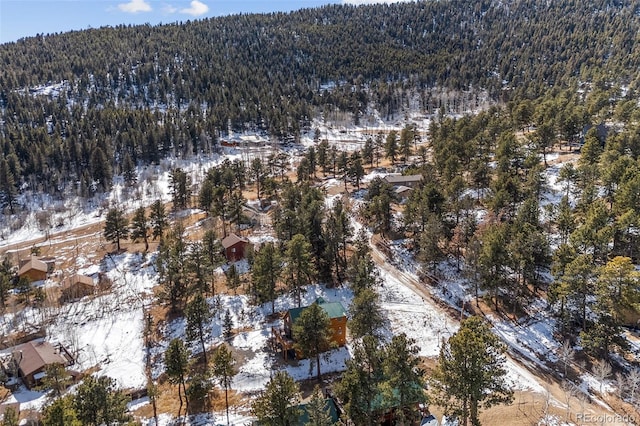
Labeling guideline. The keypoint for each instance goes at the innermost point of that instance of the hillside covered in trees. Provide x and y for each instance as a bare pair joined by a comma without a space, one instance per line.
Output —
78,107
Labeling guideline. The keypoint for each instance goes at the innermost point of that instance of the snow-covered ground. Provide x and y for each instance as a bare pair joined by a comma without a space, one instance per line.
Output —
106,332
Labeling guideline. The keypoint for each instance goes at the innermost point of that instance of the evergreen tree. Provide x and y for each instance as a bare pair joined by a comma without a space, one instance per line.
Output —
277,405
258,174
100,169
403,385
140,227
61,412
198,314
227,325
265,273
180,185
8,190
129,170
358,387
98,401
10,417
176,360
299,268
391,146
158,219
223,370
171,264
470,374
367,316
233,278
407,138
319,414
312,333
198,267
337,232
116,226
356,170
56,378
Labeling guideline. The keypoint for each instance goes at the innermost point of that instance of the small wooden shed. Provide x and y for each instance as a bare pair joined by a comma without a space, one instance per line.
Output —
234,247
33,269
77,287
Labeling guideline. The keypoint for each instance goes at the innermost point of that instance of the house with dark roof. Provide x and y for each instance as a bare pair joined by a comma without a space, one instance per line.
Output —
234,247
32,358
33,269
283,337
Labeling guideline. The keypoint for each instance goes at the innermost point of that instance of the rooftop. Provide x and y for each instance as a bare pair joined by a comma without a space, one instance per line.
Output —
32,356
333,309
232,239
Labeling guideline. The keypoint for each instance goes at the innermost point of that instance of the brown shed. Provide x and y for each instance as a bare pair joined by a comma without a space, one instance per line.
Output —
76,287
234,247
33,357
34,269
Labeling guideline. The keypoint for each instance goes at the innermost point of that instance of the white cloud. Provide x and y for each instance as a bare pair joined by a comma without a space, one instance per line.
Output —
197,8
135,6
169,9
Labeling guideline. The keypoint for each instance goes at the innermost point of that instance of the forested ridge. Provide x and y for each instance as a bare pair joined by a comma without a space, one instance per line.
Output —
135,94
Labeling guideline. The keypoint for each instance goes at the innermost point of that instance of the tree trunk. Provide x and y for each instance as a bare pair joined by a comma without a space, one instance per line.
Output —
186,399
226,402
180,399
318,365
204,349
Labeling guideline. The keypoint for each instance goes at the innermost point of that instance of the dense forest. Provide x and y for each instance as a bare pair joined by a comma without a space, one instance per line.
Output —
133,95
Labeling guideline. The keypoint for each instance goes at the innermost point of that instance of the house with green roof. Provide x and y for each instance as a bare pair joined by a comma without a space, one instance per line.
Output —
283,338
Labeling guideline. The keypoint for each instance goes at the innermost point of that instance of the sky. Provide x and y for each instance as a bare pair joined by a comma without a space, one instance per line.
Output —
24,18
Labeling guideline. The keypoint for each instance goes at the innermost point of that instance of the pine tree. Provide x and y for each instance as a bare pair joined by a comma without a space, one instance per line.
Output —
227,325
158,219
233,278
115,226
10,417
224,370
100,169
319,414
265,273
61,413
56,378
198,314
140,227
277,405
403,385
391,146
180,184
312,333
470,373
98,401
366,314
129,170
299,268
8,190
176,360
358,387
